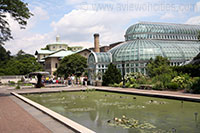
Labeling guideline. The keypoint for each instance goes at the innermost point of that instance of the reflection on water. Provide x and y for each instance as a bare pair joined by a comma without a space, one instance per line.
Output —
96,110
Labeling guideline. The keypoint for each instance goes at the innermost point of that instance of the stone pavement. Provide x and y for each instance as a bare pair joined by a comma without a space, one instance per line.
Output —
17,116
13,118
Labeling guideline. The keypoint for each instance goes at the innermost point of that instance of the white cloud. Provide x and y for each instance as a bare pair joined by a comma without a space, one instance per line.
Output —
80,25
77,27
40,13
193,20
197,7
25,39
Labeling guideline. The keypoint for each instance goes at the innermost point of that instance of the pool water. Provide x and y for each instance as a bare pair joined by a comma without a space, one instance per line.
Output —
101,111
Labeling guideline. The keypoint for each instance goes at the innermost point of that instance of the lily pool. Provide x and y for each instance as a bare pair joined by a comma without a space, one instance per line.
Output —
107,112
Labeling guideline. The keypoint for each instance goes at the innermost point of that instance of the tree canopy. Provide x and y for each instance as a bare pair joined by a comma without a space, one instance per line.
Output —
72,64
4,55
198,36
21,64
112,75
18,10
158,66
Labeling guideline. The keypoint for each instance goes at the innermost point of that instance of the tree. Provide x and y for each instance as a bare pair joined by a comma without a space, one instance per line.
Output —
198,36
4,55
72,64
21,55
20,66
112,75
46,48
18,10
158,66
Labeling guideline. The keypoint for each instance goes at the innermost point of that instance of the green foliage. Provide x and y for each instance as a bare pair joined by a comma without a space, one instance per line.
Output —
195,87
72,64
11,82
172,86
198,36
164,78
69,48
4,55
46,48
127,84
183,81
136,77
192,70
158,66
112,75
18,10
158,86
21,64
18,86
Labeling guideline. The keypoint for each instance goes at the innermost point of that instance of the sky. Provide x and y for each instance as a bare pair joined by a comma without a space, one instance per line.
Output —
75,21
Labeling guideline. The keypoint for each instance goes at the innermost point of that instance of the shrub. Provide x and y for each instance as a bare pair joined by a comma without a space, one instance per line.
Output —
158,86
18,86
127,84
11,82
135,77
193,70
195,87
183,81
164,78
112,75
116,85
172,86
133,86
121,84
158,66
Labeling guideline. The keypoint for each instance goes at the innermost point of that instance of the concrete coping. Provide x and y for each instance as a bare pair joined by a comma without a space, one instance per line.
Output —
69,123
154,94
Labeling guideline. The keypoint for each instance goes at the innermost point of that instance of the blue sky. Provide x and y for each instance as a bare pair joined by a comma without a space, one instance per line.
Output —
75,21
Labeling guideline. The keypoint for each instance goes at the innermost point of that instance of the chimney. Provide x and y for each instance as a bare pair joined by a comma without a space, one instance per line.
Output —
96,43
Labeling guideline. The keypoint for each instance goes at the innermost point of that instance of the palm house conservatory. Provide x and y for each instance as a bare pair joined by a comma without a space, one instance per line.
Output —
146,40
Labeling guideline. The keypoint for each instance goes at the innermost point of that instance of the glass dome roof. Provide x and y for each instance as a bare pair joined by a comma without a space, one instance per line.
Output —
148,30
103,57
138,50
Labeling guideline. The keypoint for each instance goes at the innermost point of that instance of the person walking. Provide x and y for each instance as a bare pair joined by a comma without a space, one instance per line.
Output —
72,78
85,80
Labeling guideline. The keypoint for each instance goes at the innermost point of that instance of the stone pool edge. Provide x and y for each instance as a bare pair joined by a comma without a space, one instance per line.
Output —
64,120
151,94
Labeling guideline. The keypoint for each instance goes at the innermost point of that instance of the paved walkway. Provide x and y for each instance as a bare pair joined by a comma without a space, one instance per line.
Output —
15,119
17,116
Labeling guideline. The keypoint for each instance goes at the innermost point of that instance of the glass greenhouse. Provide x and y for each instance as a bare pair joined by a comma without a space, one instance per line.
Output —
146,40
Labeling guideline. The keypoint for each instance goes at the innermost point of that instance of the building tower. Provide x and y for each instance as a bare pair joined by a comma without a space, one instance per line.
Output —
57,38
96,43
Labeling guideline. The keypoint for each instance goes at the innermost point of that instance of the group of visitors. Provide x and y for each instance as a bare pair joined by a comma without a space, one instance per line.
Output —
71,80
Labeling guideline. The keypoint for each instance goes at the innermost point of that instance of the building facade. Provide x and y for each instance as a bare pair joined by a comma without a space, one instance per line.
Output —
146,40
50,56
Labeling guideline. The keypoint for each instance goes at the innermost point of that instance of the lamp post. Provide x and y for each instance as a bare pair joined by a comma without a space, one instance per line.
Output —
123,73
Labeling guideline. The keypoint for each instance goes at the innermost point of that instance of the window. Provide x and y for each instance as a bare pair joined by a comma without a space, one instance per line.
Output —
56,65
